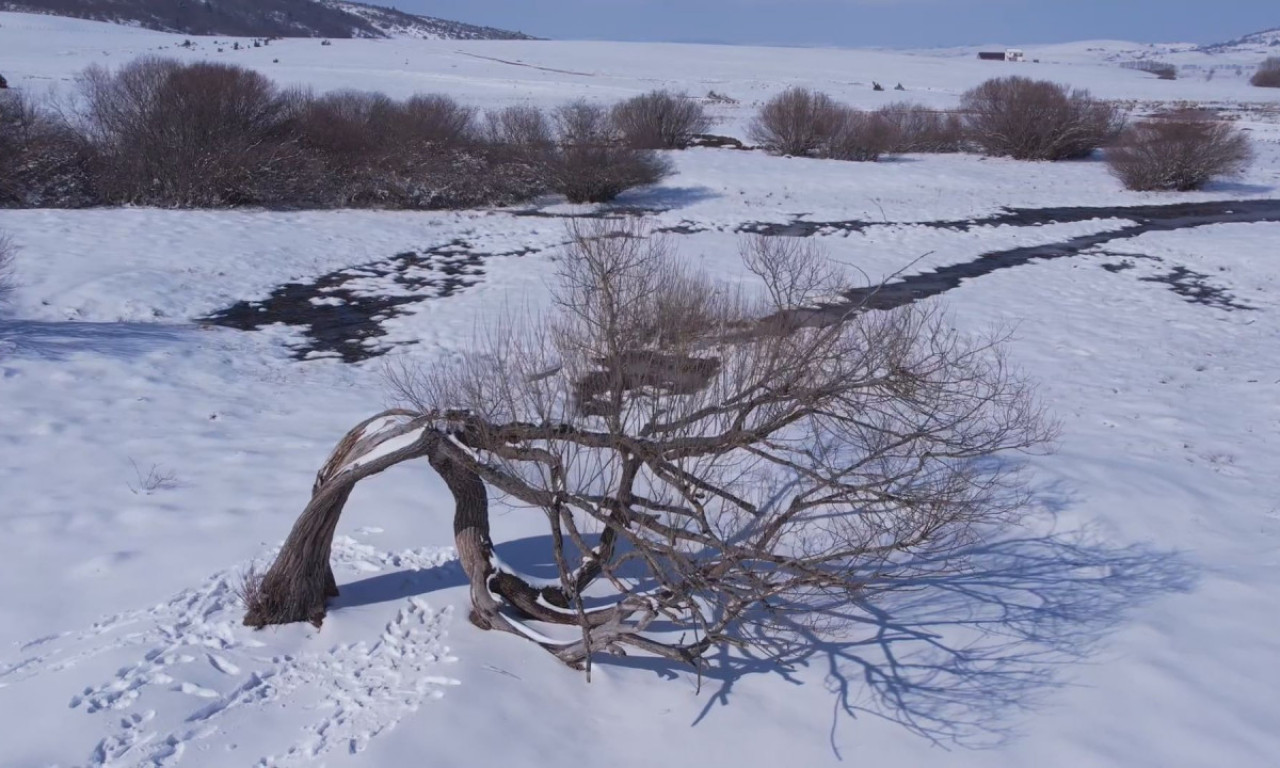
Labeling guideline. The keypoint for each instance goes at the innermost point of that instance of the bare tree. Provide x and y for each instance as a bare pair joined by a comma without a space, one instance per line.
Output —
801,122
916,128
175,134
660,120
720,464
592,163
796,122
1037,119
1181,154
523,127
859,135
1268,74
43,162
434,120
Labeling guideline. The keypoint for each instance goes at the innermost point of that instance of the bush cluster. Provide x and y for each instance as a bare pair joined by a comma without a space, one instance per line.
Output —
158,132
1037,120
916,128
1161,69
660,120
1268,74
806,123
1179,154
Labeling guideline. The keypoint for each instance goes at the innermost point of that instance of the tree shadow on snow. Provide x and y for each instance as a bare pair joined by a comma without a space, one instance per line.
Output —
953,656
1238,188
397,585
59,340
531,555
665,198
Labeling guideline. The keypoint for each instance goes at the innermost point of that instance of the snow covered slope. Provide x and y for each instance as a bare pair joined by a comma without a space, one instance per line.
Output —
147,458
1266,42
265,18
397,24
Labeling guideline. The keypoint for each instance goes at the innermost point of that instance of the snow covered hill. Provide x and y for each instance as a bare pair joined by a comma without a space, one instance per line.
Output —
265,18
1266,43
147,458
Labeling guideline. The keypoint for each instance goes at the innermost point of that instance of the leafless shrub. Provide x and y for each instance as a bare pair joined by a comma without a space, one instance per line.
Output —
341,125
156,478
796,122
427,121
592,162
917,128
43,161
186,135
660,120
1182,154
520,126
1037,120
859,135
161,132
806,123
248,589
723,459
1161,69
1268,74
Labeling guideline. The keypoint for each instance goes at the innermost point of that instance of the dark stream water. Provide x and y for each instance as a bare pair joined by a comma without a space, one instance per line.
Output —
342,313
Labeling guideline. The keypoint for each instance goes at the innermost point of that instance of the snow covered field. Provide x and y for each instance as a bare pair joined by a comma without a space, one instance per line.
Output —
146,459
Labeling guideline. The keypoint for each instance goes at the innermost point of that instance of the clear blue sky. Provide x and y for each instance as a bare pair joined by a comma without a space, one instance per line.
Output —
903,23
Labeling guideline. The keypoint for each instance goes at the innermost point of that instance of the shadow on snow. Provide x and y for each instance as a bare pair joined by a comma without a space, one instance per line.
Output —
952,657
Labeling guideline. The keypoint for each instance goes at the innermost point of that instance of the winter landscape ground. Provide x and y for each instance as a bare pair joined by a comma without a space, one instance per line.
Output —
147,456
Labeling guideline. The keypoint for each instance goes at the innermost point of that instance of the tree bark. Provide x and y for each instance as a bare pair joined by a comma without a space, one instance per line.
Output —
300,581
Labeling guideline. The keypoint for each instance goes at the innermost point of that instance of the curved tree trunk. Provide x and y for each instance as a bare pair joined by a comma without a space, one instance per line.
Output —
300,580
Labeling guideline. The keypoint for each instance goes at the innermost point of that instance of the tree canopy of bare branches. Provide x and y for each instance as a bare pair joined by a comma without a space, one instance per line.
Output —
1037,119
808,123
796,122
592,162
917,128
1268,74
715,464
1178,154
660,120
162,132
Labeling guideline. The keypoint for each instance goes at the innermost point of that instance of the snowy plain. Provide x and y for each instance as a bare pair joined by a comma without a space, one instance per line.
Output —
147,458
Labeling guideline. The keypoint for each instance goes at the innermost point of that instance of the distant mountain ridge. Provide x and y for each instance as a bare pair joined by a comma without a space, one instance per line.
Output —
1268,40
265,18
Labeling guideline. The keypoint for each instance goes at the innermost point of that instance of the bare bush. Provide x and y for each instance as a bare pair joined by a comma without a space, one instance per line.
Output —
43,161
660,120
801,122
521,127
859,135
796,122
1037,120
722,460
916,128
592,163
1161,69
1178,154
185,135
432,120
1268,74
161,132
